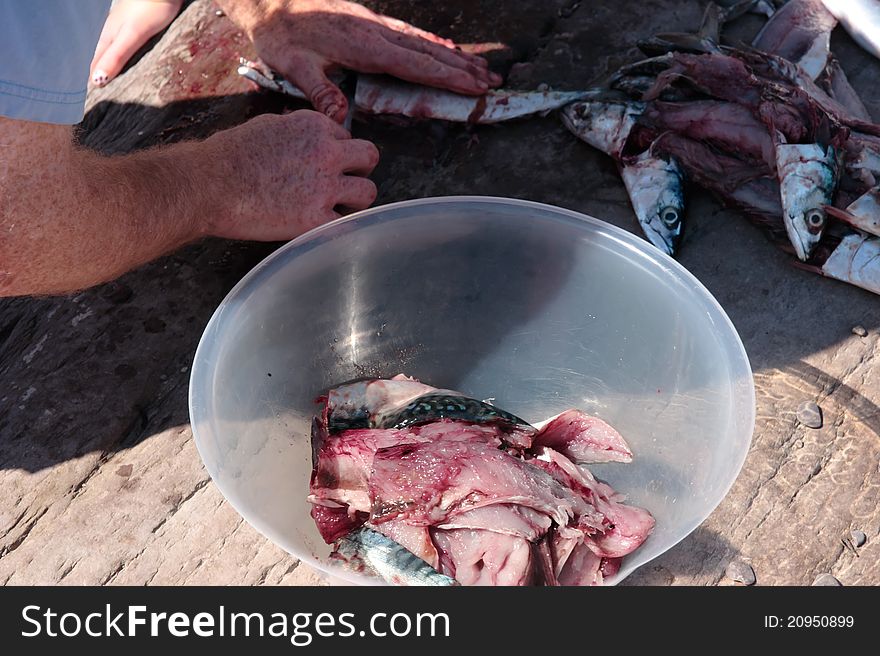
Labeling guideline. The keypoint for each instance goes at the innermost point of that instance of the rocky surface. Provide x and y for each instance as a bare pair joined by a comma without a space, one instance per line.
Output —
99,476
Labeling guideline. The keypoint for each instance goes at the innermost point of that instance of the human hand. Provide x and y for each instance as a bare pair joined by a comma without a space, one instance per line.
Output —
283,175
129,26
302,39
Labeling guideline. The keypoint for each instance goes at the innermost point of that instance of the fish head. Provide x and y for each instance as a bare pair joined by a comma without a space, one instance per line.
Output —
346,407
656,190
605,125
807,179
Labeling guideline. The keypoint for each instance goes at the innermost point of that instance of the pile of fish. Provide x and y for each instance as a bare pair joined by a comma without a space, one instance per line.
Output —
423,486
774,129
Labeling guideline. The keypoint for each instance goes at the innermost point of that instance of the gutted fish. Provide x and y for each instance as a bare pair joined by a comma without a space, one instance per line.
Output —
452,497
376,94
775,130
807,180
369,552
382,95
724,124
401,402
450,472
800,32
339,489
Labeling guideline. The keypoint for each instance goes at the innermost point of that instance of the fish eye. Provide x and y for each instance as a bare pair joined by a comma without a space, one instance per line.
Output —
815,219
669,216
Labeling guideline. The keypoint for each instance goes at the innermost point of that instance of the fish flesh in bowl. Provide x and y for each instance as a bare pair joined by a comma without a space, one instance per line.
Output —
535,308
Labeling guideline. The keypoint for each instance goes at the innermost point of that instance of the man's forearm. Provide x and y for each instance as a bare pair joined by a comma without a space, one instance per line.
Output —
70,218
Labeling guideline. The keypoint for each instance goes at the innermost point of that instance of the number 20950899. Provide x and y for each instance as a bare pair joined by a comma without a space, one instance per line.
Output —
809,621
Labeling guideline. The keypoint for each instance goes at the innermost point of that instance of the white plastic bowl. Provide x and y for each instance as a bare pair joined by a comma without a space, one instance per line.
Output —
539,307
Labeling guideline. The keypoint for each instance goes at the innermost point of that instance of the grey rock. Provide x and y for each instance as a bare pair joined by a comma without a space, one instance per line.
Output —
858,537
826,579
810,415
741,572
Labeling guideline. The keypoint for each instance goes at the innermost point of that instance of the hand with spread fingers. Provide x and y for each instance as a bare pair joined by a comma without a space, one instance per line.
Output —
303,39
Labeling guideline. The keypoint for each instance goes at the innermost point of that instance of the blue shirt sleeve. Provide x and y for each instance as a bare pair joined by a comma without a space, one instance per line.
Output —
46,47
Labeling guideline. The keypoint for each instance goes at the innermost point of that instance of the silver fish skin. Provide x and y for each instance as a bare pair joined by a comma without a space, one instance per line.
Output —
856,260
656,191
799,32
383,95
863,213
861,19
356,405
605,125
807,180
368,551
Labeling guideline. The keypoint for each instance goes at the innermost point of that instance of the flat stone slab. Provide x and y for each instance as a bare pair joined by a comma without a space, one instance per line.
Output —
99,474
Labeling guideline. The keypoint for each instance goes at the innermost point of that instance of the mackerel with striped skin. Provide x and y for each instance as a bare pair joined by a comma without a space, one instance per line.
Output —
436,406
369,552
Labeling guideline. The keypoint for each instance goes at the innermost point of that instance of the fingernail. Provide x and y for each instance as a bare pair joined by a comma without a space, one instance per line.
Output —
332,110
100,78
495,78
483,85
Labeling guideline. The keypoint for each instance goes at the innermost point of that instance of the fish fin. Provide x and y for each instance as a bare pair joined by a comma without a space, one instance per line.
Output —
812,268
713,19
678,42
740,9
838,213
